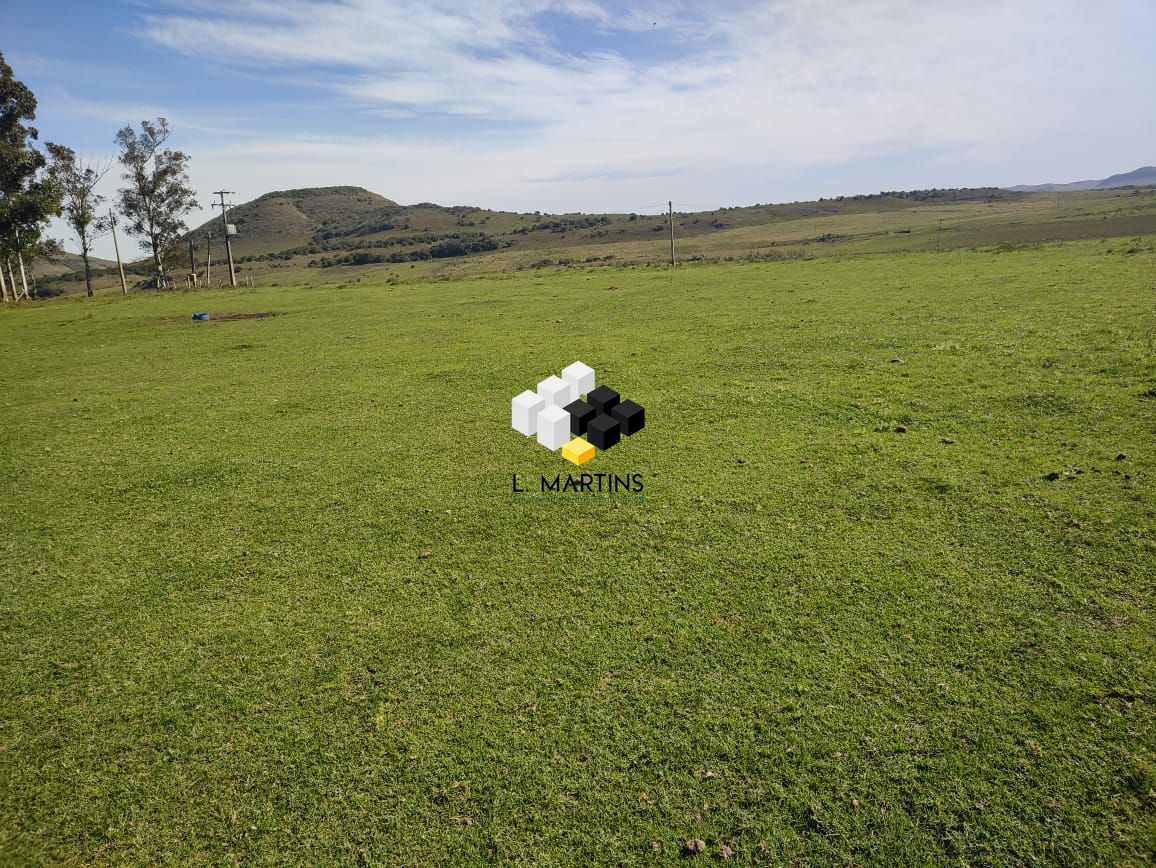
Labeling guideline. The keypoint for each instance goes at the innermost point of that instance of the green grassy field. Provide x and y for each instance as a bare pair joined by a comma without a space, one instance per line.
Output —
266,594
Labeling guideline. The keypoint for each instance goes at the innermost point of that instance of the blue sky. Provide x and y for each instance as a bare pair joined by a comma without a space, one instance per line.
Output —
589,105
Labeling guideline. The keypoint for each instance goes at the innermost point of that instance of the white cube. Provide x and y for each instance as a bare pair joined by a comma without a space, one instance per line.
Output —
553,427
581,377
524,412
556,391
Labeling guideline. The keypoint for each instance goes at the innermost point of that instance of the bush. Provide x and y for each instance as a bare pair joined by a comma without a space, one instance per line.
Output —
448,248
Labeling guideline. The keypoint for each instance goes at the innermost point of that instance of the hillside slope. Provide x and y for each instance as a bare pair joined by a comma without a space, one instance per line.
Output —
286,217
1142,177
68,263
337,235
350,226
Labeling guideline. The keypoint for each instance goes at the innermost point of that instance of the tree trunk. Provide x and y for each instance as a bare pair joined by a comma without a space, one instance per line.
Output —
3,284
158,266
87,268
23,275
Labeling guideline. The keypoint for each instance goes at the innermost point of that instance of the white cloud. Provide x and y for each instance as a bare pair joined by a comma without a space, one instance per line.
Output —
588,106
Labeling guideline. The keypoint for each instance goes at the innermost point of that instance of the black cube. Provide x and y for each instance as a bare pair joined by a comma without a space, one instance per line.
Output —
603,431
602,399
580,415
631,417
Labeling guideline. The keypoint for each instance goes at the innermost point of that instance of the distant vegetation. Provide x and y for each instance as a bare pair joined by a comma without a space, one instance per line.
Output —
453,245
329,234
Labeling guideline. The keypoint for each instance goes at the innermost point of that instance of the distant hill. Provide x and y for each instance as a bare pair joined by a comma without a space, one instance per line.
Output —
273,222
284,217
330,226
346,222
1142,177
68,263
330,235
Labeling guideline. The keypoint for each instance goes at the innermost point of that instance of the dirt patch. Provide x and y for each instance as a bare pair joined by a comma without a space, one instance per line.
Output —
225,317
251,314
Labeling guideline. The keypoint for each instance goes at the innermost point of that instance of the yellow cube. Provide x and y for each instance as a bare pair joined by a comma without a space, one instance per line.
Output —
578,451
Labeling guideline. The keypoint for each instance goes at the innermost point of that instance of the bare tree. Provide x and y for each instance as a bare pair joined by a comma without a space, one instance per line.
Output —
158,194
77,182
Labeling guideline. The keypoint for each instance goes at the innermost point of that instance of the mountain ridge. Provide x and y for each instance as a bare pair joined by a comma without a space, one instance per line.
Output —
1141,177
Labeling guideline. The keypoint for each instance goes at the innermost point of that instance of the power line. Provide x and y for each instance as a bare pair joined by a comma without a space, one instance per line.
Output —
116,247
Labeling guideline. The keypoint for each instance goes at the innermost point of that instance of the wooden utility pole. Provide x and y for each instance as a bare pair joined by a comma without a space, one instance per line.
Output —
116,247
670,215
192,264
225,225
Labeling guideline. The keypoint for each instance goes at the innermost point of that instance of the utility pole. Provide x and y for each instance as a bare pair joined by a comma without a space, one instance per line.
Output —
670,214
209,259
225,224
938,233
116,247
192,264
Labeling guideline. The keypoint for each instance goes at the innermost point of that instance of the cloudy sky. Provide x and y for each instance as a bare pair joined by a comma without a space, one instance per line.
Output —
593,105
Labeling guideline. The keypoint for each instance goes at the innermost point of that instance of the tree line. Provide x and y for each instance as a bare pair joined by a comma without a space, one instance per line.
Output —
37,184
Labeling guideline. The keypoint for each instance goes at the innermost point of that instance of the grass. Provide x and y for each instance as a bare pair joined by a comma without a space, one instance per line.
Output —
815,640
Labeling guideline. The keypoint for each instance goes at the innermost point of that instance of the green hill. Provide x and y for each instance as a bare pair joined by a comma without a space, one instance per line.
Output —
285,218
333,227
333,235
355,239
68,264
